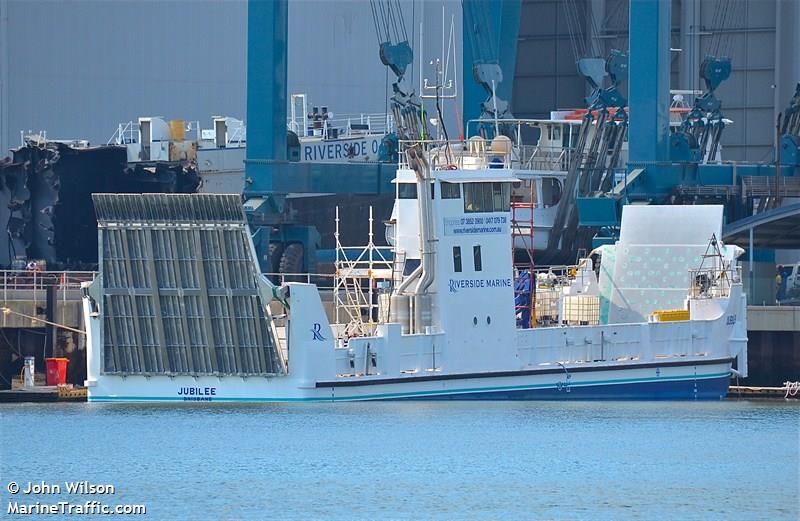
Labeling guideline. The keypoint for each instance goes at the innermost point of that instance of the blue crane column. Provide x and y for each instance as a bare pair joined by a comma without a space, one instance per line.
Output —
649,74
267,37
490,32
267,179
269,175
657,161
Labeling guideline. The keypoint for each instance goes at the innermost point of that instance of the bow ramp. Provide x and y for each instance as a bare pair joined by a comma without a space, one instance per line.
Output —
179,290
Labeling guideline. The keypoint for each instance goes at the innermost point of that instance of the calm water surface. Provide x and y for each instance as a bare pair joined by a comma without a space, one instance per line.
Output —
608,460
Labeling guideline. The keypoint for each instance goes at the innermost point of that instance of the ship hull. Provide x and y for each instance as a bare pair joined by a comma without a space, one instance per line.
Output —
689,380
707,388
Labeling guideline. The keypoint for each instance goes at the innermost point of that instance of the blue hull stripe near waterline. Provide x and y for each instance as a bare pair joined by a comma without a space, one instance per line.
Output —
701,387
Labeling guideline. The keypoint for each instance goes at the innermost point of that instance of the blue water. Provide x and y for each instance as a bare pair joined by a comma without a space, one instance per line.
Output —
482,460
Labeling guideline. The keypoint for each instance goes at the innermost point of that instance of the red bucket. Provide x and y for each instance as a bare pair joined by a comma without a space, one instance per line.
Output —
56,370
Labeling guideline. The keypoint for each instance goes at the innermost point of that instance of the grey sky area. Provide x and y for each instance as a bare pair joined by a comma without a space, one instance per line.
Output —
78,68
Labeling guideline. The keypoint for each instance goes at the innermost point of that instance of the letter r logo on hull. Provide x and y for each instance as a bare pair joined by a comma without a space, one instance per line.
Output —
315,331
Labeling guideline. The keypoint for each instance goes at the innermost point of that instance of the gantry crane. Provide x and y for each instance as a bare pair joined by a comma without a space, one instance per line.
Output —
269,174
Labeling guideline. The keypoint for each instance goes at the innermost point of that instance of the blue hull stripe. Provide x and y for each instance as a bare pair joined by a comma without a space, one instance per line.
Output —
706,386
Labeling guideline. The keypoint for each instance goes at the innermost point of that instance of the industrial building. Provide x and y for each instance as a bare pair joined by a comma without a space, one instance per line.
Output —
191,63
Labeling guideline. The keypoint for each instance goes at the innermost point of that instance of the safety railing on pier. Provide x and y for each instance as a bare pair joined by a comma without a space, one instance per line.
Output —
26,290
24,280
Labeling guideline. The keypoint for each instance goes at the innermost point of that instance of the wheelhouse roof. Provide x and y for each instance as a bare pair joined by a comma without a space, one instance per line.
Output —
484,175
487,175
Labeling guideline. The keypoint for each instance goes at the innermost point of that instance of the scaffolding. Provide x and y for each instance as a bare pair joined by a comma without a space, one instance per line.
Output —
363,275
522,227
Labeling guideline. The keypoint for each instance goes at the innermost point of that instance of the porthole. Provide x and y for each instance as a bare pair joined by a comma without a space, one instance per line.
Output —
474,321
488,320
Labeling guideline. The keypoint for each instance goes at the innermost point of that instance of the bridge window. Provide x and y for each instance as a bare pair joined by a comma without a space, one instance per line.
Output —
407,191
476,257
451,190
457,259
497,195
470,203
487,197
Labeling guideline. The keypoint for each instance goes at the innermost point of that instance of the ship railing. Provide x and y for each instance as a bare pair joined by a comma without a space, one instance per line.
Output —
714,282
458,155
344,126
363,274
477,154
323,281
36,279
541,157
126,133
522,131
238,137
197,128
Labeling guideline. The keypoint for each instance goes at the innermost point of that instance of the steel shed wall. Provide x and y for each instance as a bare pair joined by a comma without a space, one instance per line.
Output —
763,39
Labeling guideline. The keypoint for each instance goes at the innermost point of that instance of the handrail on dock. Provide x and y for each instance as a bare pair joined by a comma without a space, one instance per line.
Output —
15,280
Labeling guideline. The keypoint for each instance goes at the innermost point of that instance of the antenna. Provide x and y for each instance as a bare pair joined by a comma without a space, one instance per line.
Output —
443,86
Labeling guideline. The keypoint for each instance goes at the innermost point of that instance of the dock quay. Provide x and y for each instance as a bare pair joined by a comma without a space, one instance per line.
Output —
789,391
41,316
43,393
773,334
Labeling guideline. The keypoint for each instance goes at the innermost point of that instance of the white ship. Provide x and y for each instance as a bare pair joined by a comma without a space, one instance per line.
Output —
322,136
218,152
327,137
181,313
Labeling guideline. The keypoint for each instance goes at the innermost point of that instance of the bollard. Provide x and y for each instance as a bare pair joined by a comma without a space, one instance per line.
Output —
27,372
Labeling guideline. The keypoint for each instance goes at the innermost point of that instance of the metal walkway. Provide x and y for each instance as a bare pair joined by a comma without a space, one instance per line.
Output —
777,228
